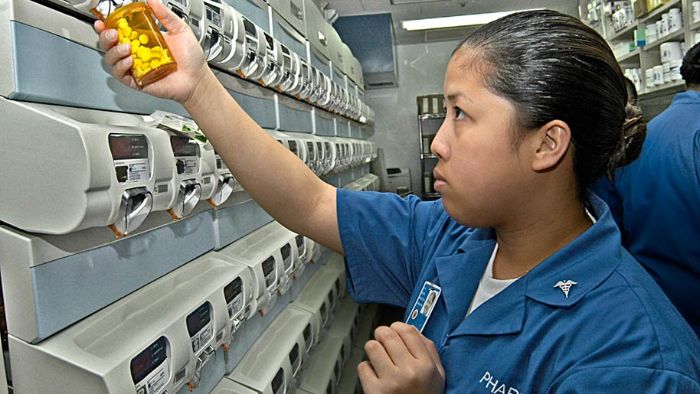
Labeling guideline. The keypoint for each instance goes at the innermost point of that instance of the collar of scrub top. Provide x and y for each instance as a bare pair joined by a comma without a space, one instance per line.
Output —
588,260
687,97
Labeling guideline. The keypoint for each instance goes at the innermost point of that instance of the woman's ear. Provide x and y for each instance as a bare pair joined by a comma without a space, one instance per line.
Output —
551,142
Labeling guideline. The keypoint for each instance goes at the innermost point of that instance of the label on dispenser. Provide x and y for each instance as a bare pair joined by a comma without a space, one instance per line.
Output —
150,369
132,171
268,267
201,338
155,382
286,252
130,155
186,152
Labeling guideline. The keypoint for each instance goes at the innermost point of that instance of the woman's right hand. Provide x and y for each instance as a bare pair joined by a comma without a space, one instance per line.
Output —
181,84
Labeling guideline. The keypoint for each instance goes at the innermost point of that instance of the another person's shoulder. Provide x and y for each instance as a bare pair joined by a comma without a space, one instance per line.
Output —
636,309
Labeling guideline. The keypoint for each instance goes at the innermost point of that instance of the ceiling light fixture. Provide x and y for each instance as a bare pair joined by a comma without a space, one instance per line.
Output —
454,21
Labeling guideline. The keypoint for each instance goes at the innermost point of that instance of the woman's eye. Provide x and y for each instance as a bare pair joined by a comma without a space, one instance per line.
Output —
459,114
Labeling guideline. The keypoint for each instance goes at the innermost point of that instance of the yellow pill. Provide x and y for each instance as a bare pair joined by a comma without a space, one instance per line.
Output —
135,44
126,31
144,53
143,38
124,40
157,51
122,23
155,63
134,35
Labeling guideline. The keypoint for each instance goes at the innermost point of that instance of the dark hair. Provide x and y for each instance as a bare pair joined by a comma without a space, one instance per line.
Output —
631,91
552,66
690,69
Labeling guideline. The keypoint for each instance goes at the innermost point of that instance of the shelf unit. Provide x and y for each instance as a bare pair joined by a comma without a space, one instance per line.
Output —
630,56
656,13
648,56
675,36
428,125
694,27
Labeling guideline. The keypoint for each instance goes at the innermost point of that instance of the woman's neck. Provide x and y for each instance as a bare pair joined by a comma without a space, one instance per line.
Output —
524,245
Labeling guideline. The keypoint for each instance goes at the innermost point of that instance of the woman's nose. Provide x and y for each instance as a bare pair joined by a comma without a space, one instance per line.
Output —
438,146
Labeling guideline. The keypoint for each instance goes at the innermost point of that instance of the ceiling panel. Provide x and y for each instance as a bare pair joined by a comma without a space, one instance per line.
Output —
418,9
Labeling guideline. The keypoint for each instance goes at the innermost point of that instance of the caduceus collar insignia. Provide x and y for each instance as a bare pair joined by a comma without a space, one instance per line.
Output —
565,286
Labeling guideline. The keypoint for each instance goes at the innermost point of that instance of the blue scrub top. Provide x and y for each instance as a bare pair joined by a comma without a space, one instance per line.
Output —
616,332
656,202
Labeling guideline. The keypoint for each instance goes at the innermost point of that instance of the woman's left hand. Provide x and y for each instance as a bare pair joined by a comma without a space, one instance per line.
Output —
401,360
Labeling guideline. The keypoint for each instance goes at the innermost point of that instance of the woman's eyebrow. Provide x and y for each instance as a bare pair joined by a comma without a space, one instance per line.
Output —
453,97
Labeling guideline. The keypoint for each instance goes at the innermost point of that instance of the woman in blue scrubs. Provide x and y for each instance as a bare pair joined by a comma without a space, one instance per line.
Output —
535,292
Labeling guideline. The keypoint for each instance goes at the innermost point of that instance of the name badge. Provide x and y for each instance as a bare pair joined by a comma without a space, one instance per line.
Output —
425,303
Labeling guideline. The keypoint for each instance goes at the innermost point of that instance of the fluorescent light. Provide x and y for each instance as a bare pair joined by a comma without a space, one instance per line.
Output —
453,21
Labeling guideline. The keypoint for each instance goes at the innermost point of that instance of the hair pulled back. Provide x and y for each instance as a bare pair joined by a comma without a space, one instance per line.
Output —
552,66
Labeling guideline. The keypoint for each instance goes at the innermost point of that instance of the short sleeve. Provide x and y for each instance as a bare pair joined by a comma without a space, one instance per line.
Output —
626,380
383,236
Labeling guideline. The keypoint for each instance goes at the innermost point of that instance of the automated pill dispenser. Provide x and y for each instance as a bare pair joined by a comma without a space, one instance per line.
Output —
255,61
254,252
317,298
282,345
345,326
323,371
213,44
197,20
273,73
89,168
194,165
233,53
141,343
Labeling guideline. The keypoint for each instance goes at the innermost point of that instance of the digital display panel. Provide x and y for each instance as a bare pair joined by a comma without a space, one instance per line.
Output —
148,360
293,147
270,42
198,319
286,251
128,146
214,15
233,289
268,267
307,336
312,151
249,28
287,57
323,313
294,354
278,382
183,146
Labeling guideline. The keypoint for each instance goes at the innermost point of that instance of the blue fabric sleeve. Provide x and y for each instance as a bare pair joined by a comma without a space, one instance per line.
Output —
383,236
626,380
